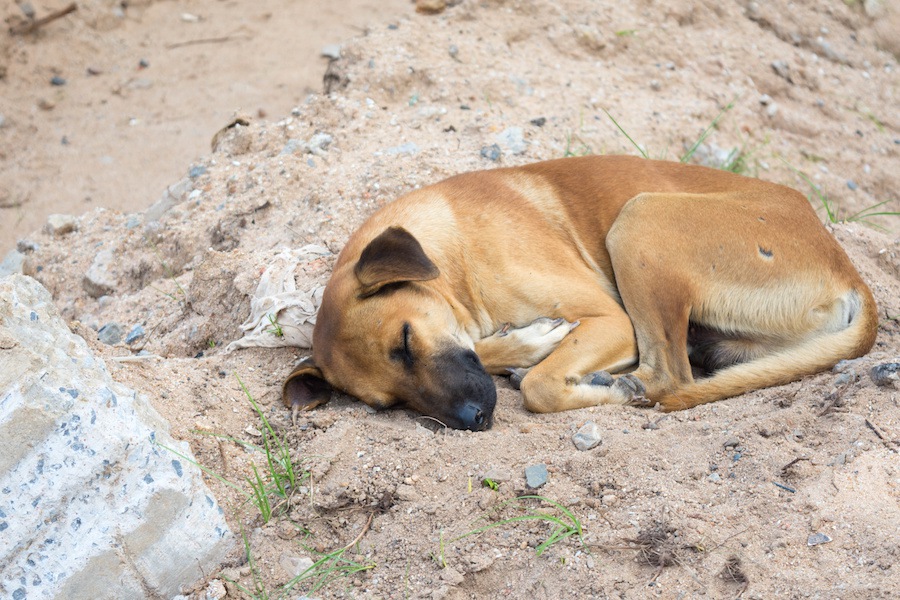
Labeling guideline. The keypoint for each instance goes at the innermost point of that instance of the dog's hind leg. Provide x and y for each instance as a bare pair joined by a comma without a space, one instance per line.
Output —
774,291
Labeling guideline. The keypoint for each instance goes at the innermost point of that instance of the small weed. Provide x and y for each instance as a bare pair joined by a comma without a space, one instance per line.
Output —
282,472
715,122
169,273
275,328
329,567
439,558
490,483
625,133
582,148
740,160
863,216
259,589
564,526
733,162
211,343
626,32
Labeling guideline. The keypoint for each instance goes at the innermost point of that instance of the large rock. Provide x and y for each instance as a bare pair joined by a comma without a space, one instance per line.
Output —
91,505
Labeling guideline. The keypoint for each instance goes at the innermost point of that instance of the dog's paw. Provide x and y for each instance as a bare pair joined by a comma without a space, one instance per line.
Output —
630,386
601,378
627,386
534,342
516,376
543,333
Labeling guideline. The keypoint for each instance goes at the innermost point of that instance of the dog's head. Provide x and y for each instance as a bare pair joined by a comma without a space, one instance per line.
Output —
387,333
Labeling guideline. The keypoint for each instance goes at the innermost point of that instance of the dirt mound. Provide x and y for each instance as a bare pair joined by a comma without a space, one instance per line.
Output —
786,492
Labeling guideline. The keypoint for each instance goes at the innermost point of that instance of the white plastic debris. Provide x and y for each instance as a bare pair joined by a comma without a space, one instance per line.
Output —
280,314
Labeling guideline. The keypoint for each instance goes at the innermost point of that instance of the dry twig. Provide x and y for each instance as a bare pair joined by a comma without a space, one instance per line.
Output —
29,26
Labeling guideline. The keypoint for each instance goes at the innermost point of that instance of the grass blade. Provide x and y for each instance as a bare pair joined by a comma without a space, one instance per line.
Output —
625,133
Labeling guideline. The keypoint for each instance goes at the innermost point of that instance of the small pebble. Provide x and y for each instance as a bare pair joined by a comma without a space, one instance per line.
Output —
715,478
852,185
409,148
453,50
197,171
331,51
60,224
886,374
844,378
536,476
136,333
512,140
587,437
539,122
731,442
110,334
491,152
143,64
57,80
817,538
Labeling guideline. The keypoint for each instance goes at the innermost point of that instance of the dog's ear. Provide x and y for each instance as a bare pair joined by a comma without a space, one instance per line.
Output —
393,257
305,388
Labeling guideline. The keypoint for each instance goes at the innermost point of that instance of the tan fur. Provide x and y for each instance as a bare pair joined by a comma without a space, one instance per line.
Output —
637,252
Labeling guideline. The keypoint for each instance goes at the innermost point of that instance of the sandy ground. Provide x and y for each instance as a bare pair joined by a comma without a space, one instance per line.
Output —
789,492
118,132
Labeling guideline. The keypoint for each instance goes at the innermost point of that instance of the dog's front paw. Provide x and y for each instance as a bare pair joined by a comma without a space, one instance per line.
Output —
534,342
516,376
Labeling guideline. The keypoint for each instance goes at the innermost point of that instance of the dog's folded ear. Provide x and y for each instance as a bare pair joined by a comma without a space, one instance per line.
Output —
394,256
305,388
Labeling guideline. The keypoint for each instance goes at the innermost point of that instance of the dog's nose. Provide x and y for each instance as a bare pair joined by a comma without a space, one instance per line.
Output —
472,417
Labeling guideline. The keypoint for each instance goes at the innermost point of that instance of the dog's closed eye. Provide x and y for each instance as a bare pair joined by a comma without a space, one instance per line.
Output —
403,353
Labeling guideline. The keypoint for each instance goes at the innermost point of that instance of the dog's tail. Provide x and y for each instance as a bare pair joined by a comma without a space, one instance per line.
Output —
813,355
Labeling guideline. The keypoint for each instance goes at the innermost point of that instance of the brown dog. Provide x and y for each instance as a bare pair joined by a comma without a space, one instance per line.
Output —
660,265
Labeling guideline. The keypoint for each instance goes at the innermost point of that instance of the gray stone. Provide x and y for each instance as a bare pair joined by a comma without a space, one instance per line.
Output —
409,148
587,437
136,333
886,374
874,8
110,334
61,224
319,143
815,539
294,564
100,509
13,262
498,475
174,194
134,221
491,152
536,476
99,281
196,171
512,140
331,51
294,145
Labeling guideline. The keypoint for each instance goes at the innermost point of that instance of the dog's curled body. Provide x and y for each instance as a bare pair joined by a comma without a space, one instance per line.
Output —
658,264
